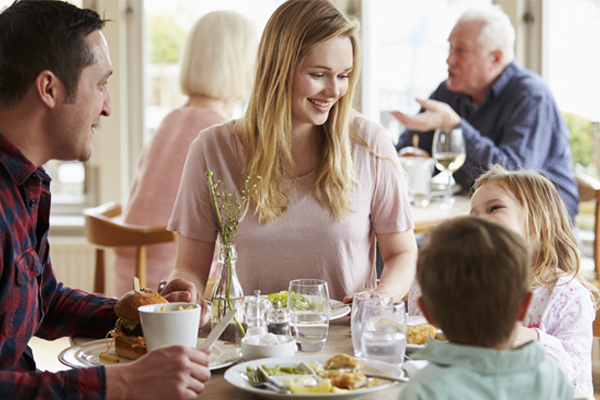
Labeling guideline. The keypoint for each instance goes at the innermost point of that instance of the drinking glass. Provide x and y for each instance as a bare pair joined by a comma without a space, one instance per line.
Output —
384,331
308,302
356,316
255,309
449,153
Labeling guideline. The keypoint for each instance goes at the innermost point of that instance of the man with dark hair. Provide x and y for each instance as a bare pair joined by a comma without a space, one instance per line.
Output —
54,70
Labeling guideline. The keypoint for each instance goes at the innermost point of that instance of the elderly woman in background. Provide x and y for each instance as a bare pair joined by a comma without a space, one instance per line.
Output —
216,71
330,183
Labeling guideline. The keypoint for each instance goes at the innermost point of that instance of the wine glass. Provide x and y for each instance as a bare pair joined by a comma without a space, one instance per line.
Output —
449,153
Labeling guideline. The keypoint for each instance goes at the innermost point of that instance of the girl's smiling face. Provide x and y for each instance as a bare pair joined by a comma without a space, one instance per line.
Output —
493,202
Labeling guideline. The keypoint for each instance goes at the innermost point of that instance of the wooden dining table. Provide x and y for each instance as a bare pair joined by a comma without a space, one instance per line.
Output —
425,217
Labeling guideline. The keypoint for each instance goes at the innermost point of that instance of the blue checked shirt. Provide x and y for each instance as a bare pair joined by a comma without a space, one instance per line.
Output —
518,125
32,302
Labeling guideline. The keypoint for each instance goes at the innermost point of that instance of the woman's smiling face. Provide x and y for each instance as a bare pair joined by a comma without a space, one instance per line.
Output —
493,202
320,81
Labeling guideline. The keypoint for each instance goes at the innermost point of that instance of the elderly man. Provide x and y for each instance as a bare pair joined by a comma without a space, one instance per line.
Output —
54,71
507,114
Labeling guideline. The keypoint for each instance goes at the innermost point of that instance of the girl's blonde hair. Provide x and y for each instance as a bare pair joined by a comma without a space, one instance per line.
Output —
218,57
547,221
295,28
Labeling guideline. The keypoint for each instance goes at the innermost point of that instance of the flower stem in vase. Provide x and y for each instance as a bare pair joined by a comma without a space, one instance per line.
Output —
227,293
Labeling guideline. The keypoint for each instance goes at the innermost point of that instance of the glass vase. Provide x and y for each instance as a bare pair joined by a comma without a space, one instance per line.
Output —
228,295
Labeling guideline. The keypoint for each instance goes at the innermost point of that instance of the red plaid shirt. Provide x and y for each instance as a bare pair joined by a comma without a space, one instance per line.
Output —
32,302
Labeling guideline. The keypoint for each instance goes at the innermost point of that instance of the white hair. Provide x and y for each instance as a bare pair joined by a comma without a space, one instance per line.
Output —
218,57
496,32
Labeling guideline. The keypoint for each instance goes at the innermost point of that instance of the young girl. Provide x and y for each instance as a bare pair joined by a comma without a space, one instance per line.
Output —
563,306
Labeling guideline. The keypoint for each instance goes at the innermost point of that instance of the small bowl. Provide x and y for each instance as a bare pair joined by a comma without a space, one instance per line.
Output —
255,351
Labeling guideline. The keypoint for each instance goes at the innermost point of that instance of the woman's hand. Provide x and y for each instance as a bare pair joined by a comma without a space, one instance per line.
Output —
181,290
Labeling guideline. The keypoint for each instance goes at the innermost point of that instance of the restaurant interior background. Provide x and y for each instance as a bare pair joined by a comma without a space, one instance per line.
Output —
405,48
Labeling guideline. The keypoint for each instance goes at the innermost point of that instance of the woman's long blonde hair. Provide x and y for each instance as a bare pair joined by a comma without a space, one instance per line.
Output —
295,28
555,245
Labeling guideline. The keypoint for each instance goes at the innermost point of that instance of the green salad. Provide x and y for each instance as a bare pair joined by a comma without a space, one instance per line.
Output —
297,299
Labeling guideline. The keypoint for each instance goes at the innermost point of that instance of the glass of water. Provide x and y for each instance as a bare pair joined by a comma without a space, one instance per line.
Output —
384,331
308,302
358,302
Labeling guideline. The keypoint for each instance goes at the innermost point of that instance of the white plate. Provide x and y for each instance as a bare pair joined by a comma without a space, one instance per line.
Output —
414,347
335,313
413,320
338,312
223,354
234,376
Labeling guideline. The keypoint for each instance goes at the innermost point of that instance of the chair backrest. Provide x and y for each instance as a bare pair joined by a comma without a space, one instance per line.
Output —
589,190
104,229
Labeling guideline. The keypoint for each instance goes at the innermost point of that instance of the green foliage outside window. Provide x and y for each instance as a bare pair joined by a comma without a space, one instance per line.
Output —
580,138
166,39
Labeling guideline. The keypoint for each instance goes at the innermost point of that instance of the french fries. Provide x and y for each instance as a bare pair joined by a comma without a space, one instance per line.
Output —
180,308
109,358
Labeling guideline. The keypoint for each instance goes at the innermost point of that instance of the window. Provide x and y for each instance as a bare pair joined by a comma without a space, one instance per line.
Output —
166,26
573,56
405,51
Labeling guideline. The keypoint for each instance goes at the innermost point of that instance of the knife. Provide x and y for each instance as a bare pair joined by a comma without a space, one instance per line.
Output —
386,377
217,330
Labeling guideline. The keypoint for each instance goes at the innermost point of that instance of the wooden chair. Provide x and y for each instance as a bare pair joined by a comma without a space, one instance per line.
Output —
589,190
103,229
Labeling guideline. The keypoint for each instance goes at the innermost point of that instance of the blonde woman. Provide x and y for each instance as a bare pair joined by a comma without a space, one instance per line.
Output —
216,71
329,188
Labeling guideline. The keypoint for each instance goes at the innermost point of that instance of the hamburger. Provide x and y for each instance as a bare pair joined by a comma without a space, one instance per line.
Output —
129,338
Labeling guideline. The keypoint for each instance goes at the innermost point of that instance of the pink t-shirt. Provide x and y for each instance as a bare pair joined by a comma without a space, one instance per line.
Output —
305,242
154,189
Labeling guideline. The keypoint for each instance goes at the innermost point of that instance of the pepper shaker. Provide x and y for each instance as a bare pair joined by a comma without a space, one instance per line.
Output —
278,319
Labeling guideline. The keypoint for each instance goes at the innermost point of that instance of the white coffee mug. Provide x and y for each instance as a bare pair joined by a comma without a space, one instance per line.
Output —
170,327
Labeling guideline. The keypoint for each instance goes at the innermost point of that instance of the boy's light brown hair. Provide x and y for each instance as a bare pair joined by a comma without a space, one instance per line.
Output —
474,275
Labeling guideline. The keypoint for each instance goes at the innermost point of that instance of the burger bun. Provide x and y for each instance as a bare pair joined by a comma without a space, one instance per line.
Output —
127,306
125,349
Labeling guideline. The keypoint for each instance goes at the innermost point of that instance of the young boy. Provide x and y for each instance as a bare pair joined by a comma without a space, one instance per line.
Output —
475,276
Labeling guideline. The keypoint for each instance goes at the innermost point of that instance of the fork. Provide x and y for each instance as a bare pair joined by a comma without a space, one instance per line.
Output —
256,379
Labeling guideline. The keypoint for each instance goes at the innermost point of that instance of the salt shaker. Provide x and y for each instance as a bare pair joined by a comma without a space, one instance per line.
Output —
278,319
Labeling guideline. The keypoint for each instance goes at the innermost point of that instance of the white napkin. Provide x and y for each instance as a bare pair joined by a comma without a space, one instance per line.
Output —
413,366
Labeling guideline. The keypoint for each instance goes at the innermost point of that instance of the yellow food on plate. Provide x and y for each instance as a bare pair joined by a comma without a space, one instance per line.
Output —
344,361
339,374
418,334
348,380
323,387
109,358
